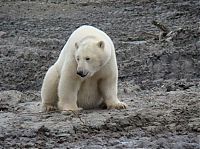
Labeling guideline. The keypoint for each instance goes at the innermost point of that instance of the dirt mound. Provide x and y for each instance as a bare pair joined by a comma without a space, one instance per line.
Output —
158,74
153,120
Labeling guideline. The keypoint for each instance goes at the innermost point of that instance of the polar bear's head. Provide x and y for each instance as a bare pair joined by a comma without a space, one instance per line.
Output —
91,55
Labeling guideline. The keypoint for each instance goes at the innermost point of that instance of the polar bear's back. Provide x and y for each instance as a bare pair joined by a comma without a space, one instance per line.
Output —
78,35
87,30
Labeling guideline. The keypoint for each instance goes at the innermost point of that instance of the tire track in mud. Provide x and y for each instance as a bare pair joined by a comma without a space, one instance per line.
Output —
137,57
158,80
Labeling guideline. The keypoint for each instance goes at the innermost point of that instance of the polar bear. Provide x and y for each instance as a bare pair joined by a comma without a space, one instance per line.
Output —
85,75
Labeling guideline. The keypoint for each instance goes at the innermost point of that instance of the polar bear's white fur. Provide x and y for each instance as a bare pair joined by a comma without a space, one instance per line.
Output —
85,74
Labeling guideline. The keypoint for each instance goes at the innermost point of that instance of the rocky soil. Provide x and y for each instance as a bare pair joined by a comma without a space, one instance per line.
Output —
159,78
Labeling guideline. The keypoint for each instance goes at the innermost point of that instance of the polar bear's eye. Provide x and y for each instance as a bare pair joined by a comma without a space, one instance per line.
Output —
87,58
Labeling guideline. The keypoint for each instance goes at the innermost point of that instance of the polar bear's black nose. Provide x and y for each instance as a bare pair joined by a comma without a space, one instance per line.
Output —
81,73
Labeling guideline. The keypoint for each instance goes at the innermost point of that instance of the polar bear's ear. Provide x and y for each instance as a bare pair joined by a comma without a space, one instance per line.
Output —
101,44
76,45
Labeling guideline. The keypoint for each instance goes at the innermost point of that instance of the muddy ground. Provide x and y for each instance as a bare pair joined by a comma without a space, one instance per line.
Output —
158,79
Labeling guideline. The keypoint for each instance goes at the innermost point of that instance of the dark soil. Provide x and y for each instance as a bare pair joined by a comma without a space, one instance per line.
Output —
158,79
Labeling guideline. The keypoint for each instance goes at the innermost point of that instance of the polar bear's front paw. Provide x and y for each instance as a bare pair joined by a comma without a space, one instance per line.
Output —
47,108
118,105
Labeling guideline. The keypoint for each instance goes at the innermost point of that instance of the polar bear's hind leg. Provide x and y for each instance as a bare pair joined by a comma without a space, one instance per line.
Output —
49,89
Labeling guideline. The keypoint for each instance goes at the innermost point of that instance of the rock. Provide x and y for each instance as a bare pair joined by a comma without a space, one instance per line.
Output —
2,34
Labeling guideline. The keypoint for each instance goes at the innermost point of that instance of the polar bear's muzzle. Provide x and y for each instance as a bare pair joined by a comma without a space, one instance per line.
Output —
82,73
